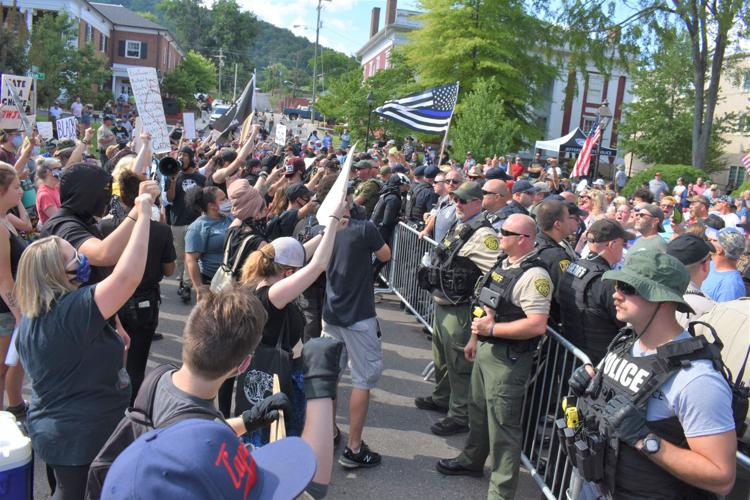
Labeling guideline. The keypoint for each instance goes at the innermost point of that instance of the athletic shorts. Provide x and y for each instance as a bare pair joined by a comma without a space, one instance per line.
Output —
7,323
363,350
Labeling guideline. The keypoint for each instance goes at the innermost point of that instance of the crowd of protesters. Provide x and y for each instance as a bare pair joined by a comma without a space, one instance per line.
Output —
236,223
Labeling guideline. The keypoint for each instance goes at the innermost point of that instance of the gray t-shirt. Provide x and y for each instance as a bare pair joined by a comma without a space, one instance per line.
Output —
698,396
169,400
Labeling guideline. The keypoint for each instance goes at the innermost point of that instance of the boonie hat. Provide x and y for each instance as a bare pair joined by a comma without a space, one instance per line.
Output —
607,230
288,252
689,248
656,276
468,191
198,459
523,186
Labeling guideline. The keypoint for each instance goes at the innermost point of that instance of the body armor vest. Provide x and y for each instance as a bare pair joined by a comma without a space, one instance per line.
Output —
584,323
413,212
627,471
450,275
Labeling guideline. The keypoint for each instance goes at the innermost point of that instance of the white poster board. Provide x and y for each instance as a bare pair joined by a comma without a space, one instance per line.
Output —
66,128
337,192
137,131
280,134
188,126
10,117
45,130
145,85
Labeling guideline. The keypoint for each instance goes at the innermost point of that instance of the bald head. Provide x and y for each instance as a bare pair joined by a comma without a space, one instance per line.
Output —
521,241
496,195
568,196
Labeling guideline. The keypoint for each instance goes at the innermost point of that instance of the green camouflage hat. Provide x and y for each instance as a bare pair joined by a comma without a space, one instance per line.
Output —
468,191
656,276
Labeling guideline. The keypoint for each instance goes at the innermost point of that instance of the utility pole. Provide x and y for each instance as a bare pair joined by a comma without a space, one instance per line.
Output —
220,57
234,92
315,61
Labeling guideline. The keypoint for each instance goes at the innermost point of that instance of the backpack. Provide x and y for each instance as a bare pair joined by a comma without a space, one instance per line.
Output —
136,422
225,274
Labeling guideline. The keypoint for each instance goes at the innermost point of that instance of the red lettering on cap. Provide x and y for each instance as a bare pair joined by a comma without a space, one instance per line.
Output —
240,468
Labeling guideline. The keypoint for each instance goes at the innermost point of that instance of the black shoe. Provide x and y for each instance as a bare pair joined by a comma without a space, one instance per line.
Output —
364,458
19,411
448,427
451,467
337,437
157,336
427,403
184,294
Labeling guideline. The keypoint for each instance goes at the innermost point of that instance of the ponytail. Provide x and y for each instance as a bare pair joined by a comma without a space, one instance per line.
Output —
260,264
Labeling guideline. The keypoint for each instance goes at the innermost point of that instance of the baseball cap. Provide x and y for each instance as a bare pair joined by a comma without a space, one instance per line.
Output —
573,209
399,169
297,190
607,230
523,186
293,166
468,191
732,241
362,164
385,170
655,212
419,171
198,458
541,187
656,276
496,173
689,248
187,150
724,198
288,252
713,221
699,198
431,171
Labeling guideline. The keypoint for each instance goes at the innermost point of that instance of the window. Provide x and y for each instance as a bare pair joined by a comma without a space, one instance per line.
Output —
746,83
102,42
594,90
133,49
587,124
736,175
89,33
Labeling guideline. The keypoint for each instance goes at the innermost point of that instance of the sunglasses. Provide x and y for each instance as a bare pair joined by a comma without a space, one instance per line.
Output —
489,192
453,182
667,207
625,288
584,197
459,201
641,214
505,232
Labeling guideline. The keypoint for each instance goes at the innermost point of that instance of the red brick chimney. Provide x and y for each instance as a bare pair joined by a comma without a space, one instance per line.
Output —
374,21
390,12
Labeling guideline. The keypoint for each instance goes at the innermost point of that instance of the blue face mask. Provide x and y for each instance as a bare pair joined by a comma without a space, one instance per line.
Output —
83,271
17,141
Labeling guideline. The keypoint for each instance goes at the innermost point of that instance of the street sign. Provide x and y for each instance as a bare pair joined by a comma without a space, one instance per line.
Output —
39,76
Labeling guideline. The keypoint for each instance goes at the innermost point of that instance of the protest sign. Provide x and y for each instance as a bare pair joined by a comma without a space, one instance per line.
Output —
66,128
338,191
188,122
45,130
145,85
280,134
137,131
11,117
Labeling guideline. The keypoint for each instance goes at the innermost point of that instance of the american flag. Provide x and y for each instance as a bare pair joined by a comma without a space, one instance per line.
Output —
746,162
427,111
581,168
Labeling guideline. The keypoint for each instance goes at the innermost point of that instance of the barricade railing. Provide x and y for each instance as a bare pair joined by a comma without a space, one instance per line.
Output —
555,360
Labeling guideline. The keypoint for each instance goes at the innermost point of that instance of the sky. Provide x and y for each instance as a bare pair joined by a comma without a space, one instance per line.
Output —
345,23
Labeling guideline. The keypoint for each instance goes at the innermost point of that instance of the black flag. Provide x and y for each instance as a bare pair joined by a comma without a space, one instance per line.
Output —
236,114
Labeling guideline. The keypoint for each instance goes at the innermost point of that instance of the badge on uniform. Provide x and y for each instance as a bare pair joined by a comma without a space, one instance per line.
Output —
542,286
564,265
491,243
576,270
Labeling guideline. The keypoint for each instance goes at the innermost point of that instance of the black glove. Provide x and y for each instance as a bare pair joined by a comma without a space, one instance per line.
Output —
321,364
580,381
266,412
628,420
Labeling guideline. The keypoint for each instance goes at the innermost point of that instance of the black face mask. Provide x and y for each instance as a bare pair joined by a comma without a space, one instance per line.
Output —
86,191
257,226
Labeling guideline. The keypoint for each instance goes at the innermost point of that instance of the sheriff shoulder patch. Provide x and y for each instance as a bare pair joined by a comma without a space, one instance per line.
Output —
564,265
491,243
542,286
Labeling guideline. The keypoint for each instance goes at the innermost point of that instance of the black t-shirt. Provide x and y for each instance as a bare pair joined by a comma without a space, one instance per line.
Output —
295,321
349,291
160,251
75,231
283,224
180,213
17,246
235,237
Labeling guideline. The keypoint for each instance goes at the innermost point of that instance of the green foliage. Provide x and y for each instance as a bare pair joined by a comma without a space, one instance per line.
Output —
745,186
482,126
194,74
670,174
70,71
658,124
149,15
469,40
13,38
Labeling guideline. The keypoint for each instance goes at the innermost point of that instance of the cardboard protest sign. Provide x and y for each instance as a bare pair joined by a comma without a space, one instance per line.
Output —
188,126
66,128
45,130
337,192
280,134
145,85
13,112
137,131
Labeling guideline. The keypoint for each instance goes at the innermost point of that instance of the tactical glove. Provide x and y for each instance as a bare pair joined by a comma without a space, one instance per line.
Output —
321,364
266,412
580,381
628,420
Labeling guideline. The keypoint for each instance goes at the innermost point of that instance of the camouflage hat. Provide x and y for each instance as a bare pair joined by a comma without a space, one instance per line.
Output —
656,276
468,191
363,164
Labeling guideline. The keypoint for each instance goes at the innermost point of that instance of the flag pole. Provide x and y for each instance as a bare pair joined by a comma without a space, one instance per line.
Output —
445,135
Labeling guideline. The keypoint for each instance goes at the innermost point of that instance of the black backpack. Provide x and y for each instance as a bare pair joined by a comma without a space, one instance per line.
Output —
136,422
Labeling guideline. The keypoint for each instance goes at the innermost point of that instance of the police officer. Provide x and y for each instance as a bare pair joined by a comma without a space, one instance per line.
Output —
556,222
522,199
515,297
587,309
469,249
445,210
423,197
496,197
657,417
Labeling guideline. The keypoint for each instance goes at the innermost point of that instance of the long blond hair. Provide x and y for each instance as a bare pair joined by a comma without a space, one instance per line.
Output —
41,278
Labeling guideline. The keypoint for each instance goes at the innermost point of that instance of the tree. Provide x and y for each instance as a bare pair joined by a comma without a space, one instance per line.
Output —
482,126
191,21
712,28
657,125
469,40
13,37
193,75
89,73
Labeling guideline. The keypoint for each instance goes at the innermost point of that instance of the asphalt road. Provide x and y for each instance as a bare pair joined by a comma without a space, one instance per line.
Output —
395,428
